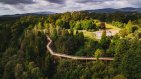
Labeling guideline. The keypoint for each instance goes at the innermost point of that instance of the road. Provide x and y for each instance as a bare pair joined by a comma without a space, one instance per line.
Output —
72,57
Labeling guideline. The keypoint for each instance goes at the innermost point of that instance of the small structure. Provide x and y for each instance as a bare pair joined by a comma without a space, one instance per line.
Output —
108,33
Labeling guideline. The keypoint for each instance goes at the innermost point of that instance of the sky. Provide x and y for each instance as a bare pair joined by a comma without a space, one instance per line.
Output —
9,7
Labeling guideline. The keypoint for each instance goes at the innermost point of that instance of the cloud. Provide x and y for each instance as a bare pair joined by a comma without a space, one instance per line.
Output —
4,8
135,2
17,1
56,1
30,6
91,1
30,1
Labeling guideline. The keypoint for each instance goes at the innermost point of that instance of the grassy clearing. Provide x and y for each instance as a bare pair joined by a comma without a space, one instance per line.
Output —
111,27
89,34
86,33
92,35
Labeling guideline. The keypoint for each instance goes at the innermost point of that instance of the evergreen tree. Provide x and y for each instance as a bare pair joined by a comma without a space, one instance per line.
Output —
129,26
60,23
104,41
98,53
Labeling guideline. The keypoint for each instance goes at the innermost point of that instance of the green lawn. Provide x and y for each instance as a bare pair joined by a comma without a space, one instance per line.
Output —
109,26
89,34
92,35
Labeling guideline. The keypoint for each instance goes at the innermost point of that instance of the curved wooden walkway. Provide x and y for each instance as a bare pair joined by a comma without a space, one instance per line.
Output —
72,57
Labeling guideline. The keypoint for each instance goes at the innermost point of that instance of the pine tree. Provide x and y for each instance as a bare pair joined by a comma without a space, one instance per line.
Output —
129,26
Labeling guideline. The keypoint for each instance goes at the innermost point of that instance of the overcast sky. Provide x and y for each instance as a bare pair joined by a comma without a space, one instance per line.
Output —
30,6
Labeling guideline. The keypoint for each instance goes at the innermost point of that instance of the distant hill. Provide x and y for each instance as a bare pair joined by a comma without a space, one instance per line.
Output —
43,13
111,10
36,13
105,10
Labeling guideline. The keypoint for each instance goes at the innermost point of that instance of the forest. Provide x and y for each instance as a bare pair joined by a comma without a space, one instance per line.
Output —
23,52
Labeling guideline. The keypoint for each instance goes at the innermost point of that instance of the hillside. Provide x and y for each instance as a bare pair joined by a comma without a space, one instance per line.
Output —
112,10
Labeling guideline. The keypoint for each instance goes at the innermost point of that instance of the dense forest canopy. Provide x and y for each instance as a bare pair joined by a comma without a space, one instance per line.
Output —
23,52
